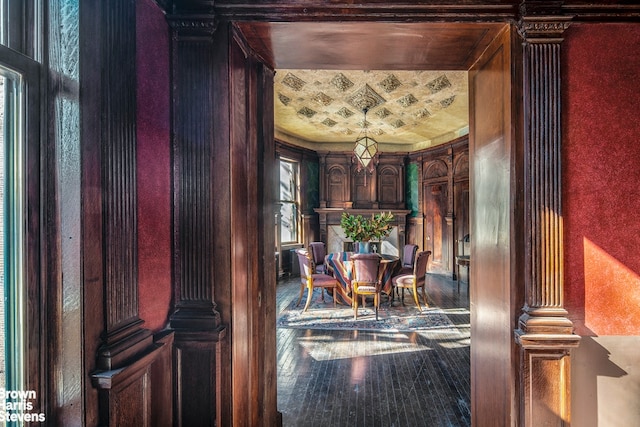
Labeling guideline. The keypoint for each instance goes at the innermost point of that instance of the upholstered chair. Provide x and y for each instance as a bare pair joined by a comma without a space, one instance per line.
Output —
408,259
318,251
414,280
311,280
366,280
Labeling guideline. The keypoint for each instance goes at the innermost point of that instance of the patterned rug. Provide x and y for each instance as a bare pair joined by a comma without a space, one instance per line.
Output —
322,315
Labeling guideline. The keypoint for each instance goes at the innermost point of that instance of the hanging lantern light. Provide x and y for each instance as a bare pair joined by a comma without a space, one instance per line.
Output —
366,148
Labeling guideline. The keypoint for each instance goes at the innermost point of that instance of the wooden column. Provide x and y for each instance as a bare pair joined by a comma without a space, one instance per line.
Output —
322,159
545,334
199,331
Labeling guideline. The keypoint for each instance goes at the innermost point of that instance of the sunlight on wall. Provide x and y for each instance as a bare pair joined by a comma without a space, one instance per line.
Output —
612,293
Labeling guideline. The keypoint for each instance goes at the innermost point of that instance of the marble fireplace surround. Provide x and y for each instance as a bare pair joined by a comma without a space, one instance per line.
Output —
332,234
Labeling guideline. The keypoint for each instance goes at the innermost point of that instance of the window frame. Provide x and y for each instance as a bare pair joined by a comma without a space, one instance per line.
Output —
295,201
33,293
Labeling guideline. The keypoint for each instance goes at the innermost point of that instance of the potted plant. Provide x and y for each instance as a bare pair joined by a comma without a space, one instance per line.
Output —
362,230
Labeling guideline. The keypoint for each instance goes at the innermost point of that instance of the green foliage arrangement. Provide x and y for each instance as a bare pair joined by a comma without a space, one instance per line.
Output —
361,229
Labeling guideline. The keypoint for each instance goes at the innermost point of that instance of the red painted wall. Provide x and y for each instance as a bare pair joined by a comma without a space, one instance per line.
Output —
153,165
601,177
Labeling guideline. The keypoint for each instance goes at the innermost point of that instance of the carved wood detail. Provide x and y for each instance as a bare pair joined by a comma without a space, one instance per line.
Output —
132,394
391,183
198,215
441,202
342,186
113,334
545,334
193,231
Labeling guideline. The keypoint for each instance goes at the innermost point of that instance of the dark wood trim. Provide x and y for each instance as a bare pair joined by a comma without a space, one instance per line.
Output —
544,332
113,333
34,258
470,11
494,230
389,11
200,169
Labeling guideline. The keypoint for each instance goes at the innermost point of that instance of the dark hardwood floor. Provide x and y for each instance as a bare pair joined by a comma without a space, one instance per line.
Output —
377,378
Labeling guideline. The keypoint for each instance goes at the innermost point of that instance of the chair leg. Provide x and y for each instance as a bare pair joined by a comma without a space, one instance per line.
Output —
376,302
355,306
309,295
301,292
415,297
424,297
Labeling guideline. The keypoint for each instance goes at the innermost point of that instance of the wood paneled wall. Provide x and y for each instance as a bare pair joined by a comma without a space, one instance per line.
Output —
443,217
343,186
121,356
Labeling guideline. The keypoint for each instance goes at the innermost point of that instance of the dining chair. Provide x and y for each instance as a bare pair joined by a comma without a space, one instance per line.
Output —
408,259
414,280
366,280
311,280
318,252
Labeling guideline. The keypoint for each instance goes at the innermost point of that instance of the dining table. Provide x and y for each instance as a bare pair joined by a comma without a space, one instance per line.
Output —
340,266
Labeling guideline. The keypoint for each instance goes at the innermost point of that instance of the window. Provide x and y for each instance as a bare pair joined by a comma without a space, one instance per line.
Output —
289,201
12,279
20,309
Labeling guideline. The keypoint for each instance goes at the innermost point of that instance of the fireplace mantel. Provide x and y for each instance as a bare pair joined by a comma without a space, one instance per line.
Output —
402,213
332,234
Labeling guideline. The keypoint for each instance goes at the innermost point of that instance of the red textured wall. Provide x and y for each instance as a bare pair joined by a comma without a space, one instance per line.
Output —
601,177
153,165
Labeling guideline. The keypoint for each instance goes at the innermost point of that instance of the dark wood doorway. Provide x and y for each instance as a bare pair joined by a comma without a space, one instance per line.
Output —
484,50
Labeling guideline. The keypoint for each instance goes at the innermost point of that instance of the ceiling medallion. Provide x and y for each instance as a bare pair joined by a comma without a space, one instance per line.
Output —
322,99
383,112
390,84
341,82
345,112
293,81
423,114
284,99
407,100
307,112
328,122
365,98
397,123
438,84
448,101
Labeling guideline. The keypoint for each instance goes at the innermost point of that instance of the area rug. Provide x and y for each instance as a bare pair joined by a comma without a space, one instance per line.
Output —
322,315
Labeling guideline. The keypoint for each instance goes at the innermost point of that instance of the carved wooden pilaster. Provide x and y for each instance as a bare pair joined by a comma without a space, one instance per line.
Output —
192,48
545,334
450,216
109,191
197,323
322,160
115,343
419,232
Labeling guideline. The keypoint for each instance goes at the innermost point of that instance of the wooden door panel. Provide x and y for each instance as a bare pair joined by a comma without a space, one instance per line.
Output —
435,202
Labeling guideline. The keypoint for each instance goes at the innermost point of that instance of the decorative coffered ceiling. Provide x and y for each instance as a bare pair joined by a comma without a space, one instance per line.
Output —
407,110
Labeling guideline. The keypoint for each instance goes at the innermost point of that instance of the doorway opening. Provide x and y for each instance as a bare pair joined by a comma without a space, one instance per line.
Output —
484,51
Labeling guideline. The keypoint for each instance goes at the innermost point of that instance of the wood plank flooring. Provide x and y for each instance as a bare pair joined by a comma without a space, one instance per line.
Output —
377,378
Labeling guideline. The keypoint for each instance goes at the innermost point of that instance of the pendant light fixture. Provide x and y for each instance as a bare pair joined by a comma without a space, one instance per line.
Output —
366,148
